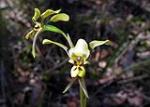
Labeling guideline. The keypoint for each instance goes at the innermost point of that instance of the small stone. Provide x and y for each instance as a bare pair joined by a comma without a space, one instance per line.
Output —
102,64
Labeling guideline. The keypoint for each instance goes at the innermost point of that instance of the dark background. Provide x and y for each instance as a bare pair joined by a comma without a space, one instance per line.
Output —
118,75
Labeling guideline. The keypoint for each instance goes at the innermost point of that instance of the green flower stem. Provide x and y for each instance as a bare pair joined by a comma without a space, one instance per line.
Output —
83,98
34,41
67,37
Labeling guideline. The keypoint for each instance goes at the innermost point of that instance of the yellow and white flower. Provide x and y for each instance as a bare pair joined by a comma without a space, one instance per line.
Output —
78,56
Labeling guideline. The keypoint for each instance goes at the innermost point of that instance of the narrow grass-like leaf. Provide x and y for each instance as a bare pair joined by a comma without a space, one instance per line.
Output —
49,12
47,41
97,43
82,85
69,86
36,15
60,17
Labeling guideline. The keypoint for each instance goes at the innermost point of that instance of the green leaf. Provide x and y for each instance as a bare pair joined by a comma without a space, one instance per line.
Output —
82,85
69,86
97,43
30,34
60,17
53,29
49,12
36,15
46,41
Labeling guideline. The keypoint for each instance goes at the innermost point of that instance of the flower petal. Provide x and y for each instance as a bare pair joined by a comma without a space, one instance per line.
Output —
60,17
36,15
96,43
69,85
74,71
49,12
71,54
83,86
71,61
80,50
30,34
47,41
81,72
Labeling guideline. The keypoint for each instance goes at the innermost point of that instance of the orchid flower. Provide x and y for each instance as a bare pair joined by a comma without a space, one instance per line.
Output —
78,56
41,19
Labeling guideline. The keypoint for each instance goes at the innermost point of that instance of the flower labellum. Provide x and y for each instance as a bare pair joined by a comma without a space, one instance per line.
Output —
77,71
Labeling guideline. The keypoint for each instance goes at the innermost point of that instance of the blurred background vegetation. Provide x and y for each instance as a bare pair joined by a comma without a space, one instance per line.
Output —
118,76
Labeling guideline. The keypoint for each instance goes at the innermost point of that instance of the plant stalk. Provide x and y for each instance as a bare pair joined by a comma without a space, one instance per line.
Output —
83,98
34,41
67,37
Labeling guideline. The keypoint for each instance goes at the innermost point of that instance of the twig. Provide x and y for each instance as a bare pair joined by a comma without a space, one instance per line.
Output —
58,65
139,64
130,46
133,79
